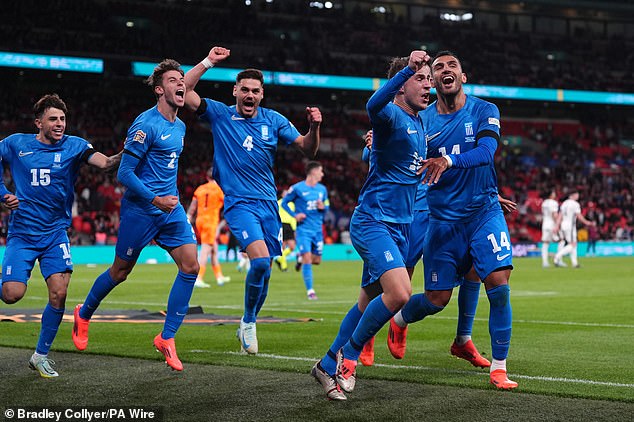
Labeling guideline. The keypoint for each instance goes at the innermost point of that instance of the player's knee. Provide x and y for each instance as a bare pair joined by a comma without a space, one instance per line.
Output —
57,297
119,275
10,297
316,260
190,267
399,298
260,265
438,298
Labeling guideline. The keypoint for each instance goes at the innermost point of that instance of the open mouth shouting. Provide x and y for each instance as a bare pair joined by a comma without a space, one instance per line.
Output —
248,107
447,81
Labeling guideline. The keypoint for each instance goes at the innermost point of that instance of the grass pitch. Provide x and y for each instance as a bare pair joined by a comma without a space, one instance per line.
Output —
570,352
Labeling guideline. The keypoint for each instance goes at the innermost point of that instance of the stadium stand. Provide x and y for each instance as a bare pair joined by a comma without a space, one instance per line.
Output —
590,147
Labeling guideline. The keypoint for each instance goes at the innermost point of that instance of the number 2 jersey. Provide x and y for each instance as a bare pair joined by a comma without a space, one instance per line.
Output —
44,176
157,143
244,150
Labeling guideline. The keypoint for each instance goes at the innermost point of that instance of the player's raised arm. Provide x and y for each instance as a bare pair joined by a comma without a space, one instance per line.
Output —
309,143
216,55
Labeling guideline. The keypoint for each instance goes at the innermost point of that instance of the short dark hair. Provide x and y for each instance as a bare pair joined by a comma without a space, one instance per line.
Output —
311,165
46,102
446,53
156,78
250,74
396,65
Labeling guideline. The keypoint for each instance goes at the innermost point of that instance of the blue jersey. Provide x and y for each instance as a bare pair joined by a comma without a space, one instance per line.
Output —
398,147
420,203
44,177
305,199
158,144
244,150
461,192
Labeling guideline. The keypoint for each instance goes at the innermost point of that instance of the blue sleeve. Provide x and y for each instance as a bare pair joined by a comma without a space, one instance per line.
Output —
387,92
3,189
479,156
365,156
130,180
285,202
326,201
287,132
3,150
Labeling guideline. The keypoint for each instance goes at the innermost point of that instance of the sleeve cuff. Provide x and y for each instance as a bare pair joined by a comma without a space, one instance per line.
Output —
449,160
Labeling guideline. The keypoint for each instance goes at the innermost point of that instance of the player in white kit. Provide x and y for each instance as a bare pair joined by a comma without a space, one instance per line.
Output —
550,212
569,212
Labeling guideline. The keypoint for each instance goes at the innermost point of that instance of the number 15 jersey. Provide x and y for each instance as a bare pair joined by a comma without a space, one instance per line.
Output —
44,177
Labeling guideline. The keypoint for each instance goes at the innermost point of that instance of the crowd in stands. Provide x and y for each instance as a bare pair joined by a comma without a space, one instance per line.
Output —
351,40
586,154
550,154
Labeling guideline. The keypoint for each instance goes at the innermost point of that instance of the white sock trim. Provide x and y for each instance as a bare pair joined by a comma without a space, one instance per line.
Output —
398,319
498,364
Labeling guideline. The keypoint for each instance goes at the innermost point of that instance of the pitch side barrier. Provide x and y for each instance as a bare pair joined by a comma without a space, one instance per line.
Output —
155,255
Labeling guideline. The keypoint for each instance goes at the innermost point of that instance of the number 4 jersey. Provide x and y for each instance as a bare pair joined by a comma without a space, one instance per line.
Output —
44,176
244,149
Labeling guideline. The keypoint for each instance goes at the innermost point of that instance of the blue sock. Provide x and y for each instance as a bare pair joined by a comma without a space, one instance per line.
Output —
500,320
418,307
374,317
178,303
51,318
468,296
349,323
254,286
99,290
307,274
264,292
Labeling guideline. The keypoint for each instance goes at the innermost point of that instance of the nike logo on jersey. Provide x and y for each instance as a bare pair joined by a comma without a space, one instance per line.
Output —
164,137
24,154
305,193
233,117
432,137
501,257
411,131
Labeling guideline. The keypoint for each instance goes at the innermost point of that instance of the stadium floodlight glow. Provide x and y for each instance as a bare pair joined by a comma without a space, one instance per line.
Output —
316,4
455,17
328,5
129,24
379,9
247,2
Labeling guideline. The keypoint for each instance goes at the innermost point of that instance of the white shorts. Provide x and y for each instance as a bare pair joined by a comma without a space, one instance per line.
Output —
549,235
569,234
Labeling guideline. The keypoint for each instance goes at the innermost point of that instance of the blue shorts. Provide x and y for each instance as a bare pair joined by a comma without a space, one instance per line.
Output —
52,250
451,248
256,219
417,238
382,245
137,229
310,241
